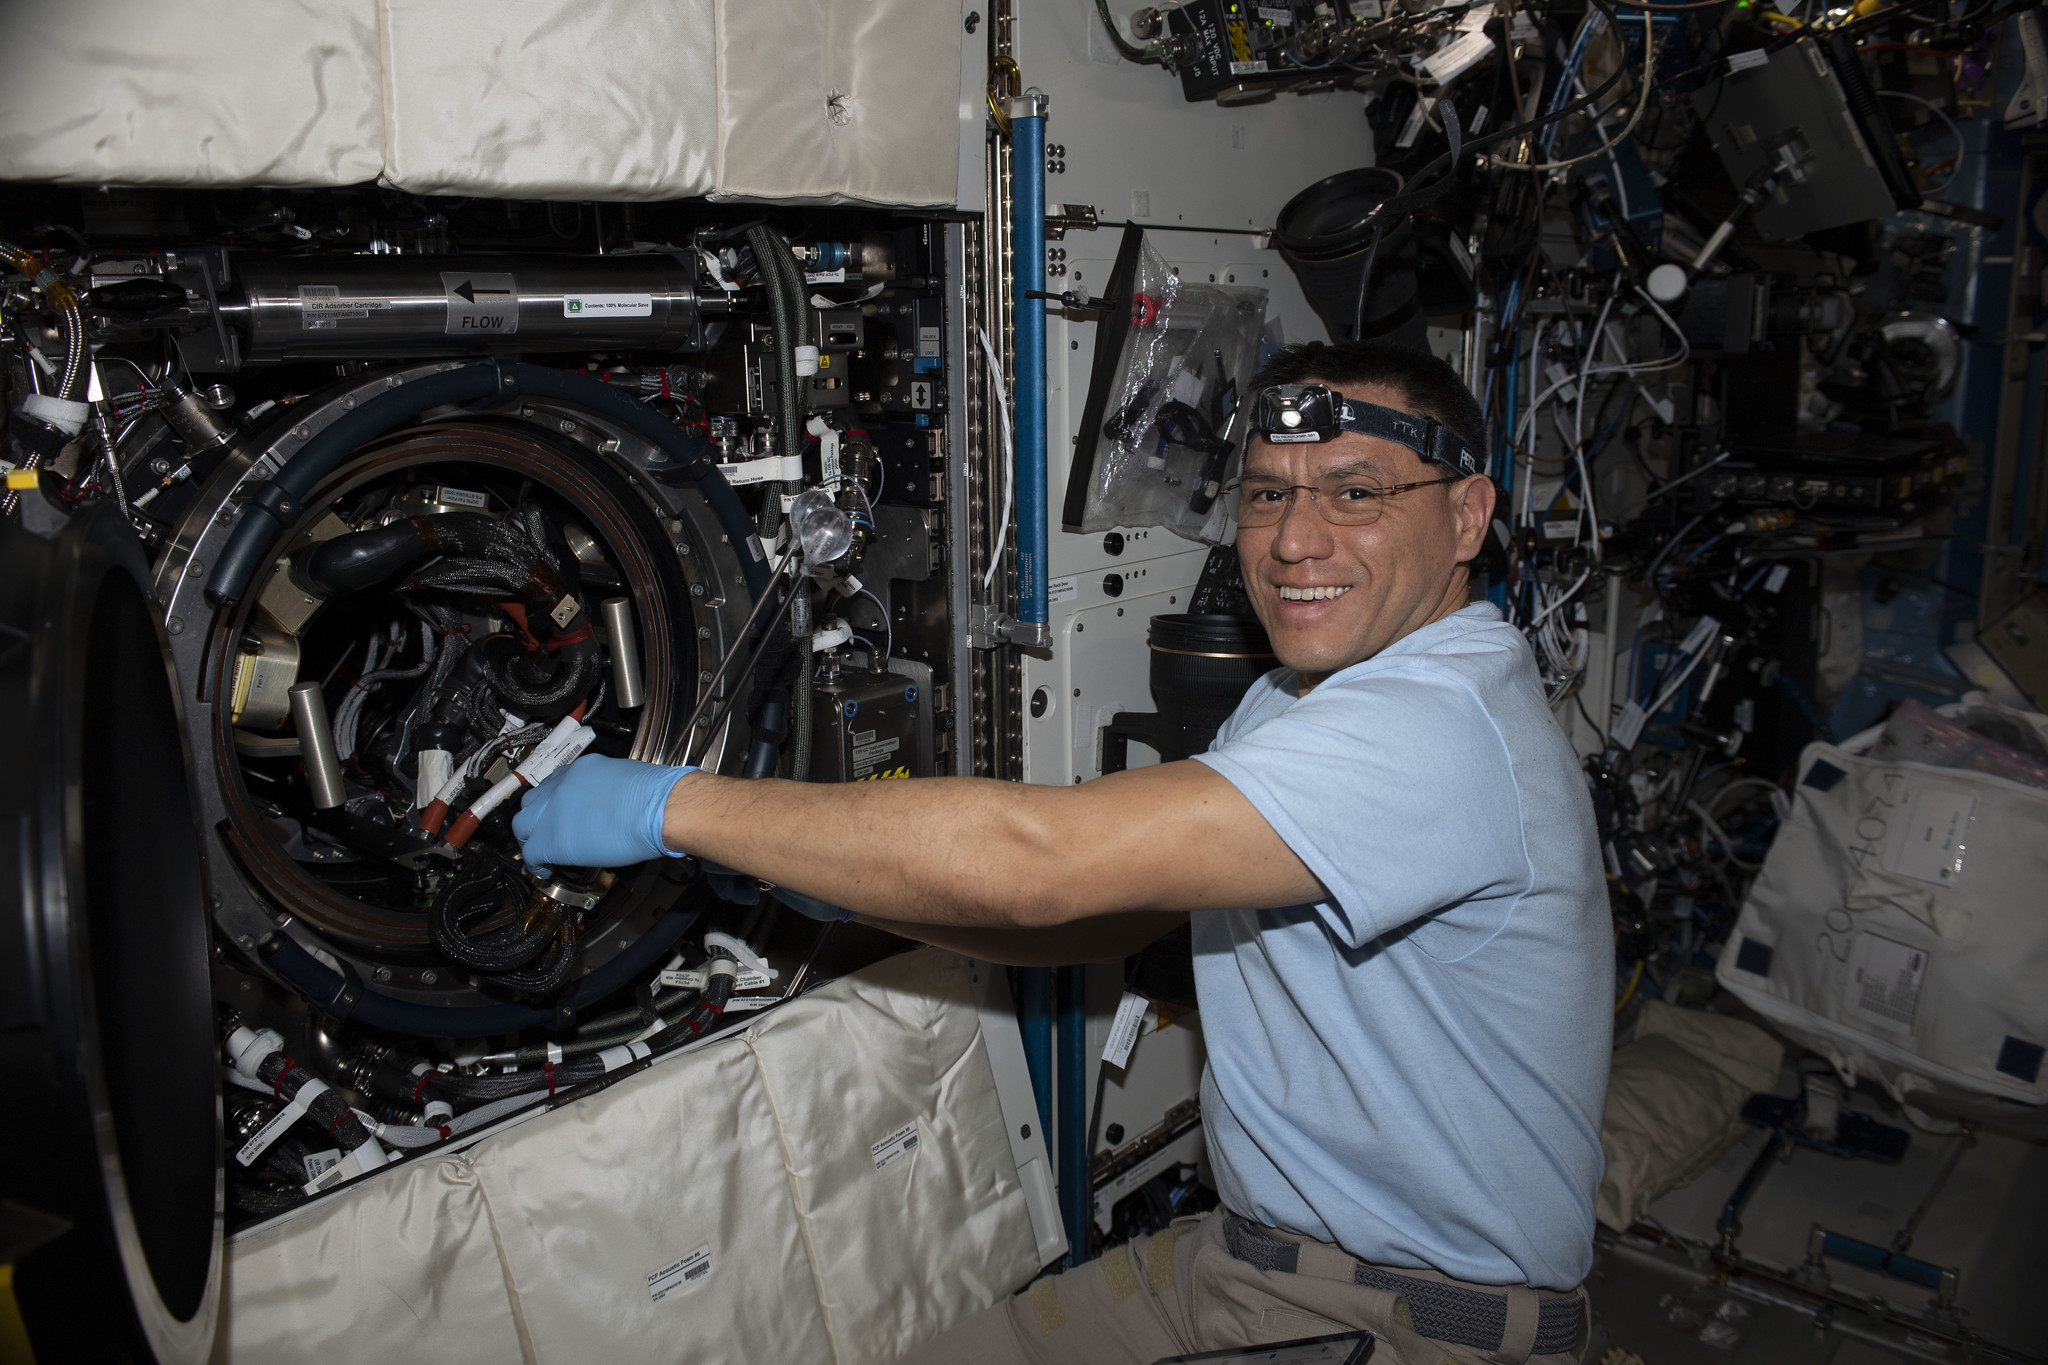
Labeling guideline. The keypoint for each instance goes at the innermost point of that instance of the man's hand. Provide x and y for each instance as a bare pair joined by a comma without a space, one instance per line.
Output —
597,812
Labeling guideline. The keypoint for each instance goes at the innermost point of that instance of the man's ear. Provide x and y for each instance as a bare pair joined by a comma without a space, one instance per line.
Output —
1472,503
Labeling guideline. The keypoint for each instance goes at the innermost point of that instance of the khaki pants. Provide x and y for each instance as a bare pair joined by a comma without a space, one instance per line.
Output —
1183,1291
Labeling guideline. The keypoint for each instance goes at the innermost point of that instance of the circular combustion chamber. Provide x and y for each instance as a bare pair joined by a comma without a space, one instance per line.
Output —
459,608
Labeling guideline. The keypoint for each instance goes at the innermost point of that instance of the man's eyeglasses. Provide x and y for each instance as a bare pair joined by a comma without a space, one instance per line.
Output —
1351,500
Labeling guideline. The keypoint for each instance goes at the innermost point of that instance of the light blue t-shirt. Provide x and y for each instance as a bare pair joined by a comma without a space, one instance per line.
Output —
1414,1069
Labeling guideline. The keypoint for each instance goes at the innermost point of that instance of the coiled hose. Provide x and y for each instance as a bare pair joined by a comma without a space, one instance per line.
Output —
531,948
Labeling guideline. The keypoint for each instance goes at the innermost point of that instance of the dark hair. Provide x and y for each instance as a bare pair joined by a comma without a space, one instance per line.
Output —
1432,388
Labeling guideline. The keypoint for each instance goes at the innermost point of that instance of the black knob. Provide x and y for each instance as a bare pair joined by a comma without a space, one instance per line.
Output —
1115,1133
1113,543
1113,584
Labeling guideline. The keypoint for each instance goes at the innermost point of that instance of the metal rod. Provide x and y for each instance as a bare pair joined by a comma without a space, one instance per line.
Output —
316,745
739,640
629,687
690,729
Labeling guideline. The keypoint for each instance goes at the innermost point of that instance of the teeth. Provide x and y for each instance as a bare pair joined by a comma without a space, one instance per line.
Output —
1288,594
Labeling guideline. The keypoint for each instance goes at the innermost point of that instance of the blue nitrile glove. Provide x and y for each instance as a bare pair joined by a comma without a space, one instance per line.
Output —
741,889
597,812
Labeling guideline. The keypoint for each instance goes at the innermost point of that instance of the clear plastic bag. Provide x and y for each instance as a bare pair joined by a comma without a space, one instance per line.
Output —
1168,441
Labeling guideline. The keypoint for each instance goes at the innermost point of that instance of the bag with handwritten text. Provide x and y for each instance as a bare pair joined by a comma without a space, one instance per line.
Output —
1900,924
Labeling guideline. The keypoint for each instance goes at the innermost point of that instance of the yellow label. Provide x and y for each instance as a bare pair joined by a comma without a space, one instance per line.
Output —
1240,40
22,478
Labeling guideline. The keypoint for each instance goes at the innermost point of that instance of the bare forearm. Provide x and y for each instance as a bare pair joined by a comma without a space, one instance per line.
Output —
1104,938
939,851
984,854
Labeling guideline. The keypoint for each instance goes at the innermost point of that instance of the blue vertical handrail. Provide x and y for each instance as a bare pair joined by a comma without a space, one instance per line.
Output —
1034,1019
1076,1188
1027,275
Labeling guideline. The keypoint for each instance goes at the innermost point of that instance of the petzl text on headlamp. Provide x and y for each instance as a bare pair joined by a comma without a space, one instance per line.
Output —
1288,413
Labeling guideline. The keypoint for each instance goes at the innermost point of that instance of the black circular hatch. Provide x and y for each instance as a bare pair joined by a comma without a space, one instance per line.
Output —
110,1177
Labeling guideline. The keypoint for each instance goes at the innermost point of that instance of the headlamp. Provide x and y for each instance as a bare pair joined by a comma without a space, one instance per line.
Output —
1291,413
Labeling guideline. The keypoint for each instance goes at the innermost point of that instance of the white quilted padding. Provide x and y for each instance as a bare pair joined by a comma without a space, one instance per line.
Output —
828,102
820,101
202,92
566,99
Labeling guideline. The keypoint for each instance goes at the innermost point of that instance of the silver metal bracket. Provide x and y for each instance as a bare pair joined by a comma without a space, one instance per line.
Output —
1065,218
990,628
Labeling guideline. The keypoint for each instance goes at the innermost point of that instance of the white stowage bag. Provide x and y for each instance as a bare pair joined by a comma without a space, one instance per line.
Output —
401,1268
1900,929
550,99
900,1161
1674,1102
202,92
756,1199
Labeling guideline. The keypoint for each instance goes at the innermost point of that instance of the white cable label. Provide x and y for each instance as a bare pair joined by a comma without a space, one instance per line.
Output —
1124,1030
747,980
435,767
623,1055
1696,638
1743,61
568,741
320,1163
1630,725
1776,581
691,1269
608,306
740,1004
903,1140
1885,990
290,1114
1409,131
828,456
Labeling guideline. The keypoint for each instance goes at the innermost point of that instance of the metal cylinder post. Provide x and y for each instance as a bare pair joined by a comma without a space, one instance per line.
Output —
316,746
1027,275
629,688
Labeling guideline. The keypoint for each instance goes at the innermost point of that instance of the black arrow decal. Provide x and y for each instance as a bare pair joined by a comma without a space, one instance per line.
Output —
468,291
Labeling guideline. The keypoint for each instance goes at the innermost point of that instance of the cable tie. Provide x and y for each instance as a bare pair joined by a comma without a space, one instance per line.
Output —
277,1085
345,1115
549,1068
426,1076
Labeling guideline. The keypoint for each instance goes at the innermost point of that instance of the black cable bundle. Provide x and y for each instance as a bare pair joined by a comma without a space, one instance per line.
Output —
329,1111
530,948
412,1082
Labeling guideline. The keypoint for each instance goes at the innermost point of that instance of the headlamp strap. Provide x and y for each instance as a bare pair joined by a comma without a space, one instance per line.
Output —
1426,436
